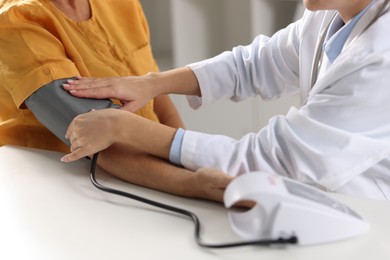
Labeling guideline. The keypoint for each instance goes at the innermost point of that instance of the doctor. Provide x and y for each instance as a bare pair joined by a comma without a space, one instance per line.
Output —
337,56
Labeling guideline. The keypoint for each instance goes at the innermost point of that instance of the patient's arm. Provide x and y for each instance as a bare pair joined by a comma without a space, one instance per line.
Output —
151,172
166,112
56,108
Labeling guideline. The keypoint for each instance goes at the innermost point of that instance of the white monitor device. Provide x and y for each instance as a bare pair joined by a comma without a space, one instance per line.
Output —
286,208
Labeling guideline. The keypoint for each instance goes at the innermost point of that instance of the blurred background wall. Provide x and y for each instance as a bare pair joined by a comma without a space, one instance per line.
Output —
185,31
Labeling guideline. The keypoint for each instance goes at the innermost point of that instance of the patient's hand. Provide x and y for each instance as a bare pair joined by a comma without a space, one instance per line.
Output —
211,183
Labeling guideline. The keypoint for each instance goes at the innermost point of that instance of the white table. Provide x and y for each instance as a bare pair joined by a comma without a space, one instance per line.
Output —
50,210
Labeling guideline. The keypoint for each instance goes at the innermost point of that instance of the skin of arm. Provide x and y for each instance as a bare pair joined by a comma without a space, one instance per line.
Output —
147,156
91,132
134,162
166,112
137,150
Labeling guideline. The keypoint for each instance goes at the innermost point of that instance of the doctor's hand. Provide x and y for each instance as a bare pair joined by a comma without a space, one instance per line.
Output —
136,91
90,133
133,92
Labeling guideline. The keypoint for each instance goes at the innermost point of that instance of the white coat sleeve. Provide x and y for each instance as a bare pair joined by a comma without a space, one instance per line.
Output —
268,67
341,131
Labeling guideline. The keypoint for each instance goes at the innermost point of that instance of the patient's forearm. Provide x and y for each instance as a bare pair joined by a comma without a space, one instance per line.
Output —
151,172
147,171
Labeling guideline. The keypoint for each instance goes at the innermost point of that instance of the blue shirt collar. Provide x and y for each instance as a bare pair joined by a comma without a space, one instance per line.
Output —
338,34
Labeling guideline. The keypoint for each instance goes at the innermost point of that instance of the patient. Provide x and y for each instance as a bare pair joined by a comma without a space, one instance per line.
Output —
45,40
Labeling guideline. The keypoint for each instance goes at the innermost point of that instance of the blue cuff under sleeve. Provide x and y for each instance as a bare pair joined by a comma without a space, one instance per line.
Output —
175,152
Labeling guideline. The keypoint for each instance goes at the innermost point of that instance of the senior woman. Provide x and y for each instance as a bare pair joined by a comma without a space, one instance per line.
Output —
45,40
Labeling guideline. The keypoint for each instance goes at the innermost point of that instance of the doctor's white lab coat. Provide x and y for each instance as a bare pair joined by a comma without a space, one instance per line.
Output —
339,139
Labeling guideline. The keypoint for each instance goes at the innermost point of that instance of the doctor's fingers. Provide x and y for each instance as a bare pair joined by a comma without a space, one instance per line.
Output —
82,125
72,128
87,83
97,83
69,130
82,147
74,155
133,106
94,89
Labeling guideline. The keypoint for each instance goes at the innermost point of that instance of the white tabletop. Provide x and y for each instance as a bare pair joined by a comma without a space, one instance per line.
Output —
50,210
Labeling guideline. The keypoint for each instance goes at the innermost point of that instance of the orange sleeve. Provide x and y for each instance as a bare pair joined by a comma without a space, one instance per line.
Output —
43,56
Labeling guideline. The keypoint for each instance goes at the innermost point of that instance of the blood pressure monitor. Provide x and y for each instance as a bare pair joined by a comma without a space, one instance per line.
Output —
286,208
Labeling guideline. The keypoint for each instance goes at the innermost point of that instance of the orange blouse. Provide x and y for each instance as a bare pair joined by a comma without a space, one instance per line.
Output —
39,44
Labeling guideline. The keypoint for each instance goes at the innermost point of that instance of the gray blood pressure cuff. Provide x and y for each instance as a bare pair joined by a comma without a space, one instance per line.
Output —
55,107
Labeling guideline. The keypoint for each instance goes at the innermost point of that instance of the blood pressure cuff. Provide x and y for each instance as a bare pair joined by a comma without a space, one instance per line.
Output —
55,107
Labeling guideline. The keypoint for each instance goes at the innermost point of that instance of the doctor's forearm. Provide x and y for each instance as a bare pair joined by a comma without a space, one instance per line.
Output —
177,81
144,135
